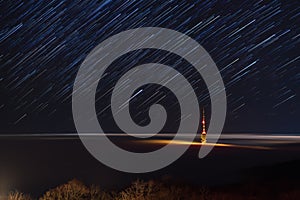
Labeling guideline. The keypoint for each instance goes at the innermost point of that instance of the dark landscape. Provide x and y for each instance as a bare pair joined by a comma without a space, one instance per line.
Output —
247,171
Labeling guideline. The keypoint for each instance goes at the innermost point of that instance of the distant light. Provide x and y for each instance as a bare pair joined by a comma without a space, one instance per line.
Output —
182,142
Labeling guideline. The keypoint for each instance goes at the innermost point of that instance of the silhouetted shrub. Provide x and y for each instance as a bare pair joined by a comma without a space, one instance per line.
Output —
74,190
97,194
18,196
139,190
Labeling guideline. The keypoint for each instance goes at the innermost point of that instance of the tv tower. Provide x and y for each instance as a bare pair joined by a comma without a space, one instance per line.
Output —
203,134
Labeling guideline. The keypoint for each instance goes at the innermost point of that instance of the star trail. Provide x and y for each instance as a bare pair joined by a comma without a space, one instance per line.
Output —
255,45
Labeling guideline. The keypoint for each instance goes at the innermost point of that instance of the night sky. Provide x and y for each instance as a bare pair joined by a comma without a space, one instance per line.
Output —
255,45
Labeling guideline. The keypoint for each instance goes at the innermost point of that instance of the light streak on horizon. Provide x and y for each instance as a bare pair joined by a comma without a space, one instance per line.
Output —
241,136
250,141
182,142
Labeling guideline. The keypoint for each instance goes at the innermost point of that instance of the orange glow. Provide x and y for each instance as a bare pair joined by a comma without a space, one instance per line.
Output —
182,142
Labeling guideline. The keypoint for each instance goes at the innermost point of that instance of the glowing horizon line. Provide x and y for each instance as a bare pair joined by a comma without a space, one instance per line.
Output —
181,142
209,136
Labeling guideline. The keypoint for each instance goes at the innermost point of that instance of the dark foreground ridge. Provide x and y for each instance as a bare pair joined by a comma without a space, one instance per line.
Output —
279,181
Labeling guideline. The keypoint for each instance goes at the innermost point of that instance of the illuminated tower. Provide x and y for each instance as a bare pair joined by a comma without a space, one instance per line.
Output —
203,134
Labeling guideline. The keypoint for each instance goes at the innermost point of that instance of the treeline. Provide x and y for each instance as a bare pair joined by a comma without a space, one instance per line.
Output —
152,190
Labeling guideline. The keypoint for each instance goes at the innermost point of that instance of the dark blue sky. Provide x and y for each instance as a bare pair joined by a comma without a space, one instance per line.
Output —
255,45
